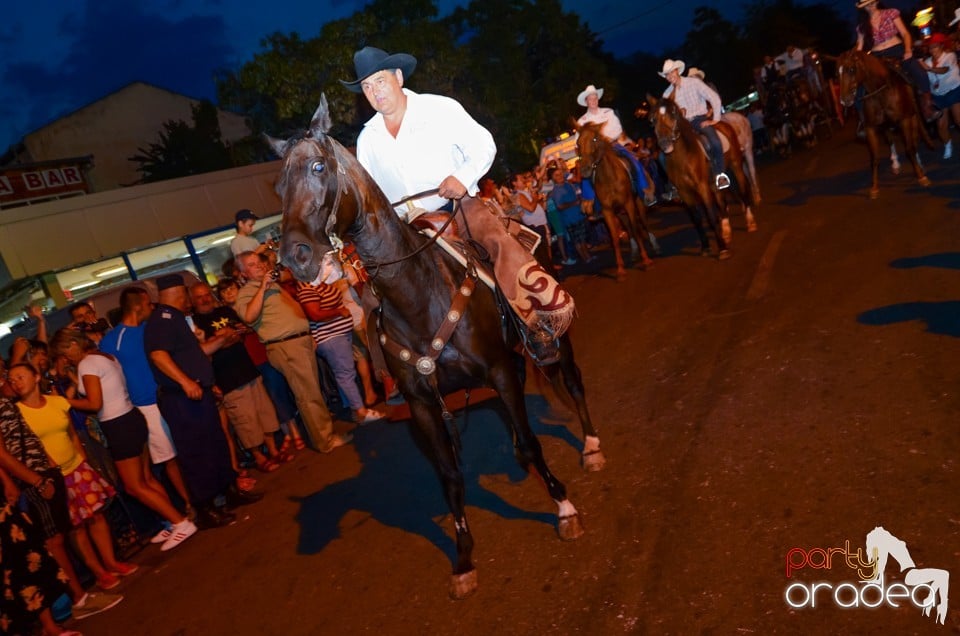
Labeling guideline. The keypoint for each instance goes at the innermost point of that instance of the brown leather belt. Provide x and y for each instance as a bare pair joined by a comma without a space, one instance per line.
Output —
285,338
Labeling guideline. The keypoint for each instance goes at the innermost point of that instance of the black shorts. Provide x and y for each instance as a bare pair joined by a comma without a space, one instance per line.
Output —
51,515
126,435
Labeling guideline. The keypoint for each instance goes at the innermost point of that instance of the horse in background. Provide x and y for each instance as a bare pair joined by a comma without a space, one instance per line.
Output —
688,169
612,179
888,102
442,331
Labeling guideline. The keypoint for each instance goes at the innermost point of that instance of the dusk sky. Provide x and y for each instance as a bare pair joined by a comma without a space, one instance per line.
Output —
60,56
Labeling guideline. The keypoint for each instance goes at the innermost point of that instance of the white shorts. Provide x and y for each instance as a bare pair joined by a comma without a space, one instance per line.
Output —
158,435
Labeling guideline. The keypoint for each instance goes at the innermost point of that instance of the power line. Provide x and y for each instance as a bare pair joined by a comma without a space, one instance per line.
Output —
636,17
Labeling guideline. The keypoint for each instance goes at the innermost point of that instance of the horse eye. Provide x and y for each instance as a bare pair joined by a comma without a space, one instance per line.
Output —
316,167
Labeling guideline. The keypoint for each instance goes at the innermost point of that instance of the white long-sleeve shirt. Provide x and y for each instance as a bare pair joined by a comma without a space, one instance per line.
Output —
611,129
437,138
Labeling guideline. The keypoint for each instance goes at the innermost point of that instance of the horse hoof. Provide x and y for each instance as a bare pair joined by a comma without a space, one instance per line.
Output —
463,585
874,194
570,528
645,264
593,461
724,255
925,182
621,275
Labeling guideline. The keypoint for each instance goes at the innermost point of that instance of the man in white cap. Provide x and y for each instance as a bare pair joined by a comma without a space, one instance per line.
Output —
611,129
692,96
418,142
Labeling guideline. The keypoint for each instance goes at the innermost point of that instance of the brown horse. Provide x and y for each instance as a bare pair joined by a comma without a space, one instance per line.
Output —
688,169
613,183
887,102
442,332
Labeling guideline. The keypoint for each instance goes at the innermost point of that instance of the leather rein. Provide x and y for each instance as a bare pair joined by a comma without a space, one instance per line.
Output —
425,364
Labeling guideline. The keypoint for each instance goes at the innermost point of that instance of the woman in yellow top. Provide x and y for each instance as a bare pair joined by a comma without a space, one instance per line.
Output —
87,492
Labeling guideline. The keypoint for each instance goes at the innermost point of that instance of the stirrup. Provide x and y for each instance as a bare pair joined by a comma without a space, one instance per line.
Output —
543,348
722,181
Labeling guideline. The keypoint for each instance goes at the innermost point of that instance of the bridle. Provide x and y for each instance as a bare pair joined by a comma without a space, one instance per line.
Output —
337,243
663,140
595,142
855,71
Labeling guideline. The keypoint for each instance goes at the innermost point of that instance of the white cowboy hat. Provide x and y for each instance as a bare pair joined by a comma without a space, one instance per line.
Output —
582,97
670,65
956,18
862,3
695,72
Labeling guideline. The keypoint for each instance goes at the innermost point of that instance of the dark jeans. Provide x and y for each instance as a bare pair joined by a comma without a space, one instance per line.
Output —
713,139
641,179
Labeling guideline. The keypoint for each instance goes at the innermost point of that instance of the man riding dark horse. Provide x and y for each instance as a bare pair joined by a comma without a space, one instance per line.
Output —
692,96
427,148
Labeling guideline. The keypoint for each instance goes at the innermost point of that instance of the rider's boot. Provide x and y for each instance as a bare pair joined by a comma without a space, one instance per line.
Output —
542,345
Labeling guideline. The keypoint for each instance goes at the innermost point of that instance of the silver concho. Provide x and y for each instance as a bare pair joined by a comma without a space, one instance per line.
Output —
405,355
383,338
437,344
465,291
426,365
453,315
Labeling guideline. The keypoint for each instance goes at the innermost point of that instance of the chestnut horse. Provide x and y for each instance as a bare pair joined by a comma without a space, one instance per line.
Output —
887,102
613,183
688,169
446,333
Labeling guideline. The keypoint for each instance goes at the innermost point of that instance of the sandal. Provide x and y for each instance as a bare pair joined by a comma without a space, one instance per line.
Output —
267,466
283,457
299,444
246,484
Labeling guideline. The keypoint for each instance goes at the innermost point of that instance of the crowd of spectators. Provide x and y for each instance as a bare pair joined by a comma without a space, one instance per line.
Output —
172,406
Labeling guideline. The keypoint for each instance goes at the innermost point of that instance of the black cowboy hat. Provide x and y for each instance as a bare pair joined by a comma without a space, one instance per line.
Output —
369,60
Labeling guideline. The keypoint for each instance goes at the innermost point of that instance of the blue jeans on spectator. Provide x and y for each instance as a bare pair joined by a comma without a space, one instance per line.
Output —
279,392
713,140
338,352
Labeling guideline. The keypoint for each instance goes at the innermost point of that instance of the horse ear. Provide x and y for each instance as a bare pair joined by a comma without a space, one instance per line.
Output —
278,146
320,123
575,123
651,100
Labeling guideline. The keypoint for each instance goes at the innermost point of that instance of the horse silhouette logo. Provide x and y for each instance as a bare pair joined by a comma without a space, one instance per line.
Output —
883,545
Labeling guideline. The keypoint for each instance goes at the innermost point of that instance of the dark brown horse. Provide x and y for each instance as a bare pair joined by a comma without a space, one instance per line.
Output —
327,196
888,101
613,183
688,169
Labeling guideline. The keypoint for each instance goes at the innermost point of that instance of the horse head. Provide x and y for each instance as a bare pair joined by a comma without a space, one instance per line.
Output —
319,201
850,69
665,119
590,147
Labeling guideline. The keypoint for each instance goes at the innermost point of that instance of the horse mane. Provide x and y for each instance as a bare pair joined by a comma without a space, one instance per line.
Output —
684,127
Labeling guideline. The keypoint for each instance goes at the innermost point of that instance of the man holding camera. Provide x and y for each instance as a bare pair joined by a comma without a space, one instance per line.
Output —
282,326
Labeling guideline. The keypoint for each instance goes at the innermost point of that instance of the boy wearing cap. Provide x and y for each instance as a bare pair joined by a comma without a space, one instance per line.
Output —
244,241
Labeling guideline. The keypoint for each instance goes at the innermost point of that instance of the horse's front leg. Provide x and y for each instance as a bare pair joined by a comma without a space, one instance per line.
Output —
613,226
710,208
911,136
633,214
506,381
873,144
427,417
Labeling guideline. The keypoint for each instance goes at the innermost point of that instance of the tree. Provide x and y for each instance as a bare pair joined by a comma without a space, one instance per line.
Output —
185,150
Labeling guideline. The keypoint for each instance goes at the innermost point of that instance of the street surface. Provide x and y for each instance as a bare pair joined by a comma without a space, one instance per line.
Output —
795,396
